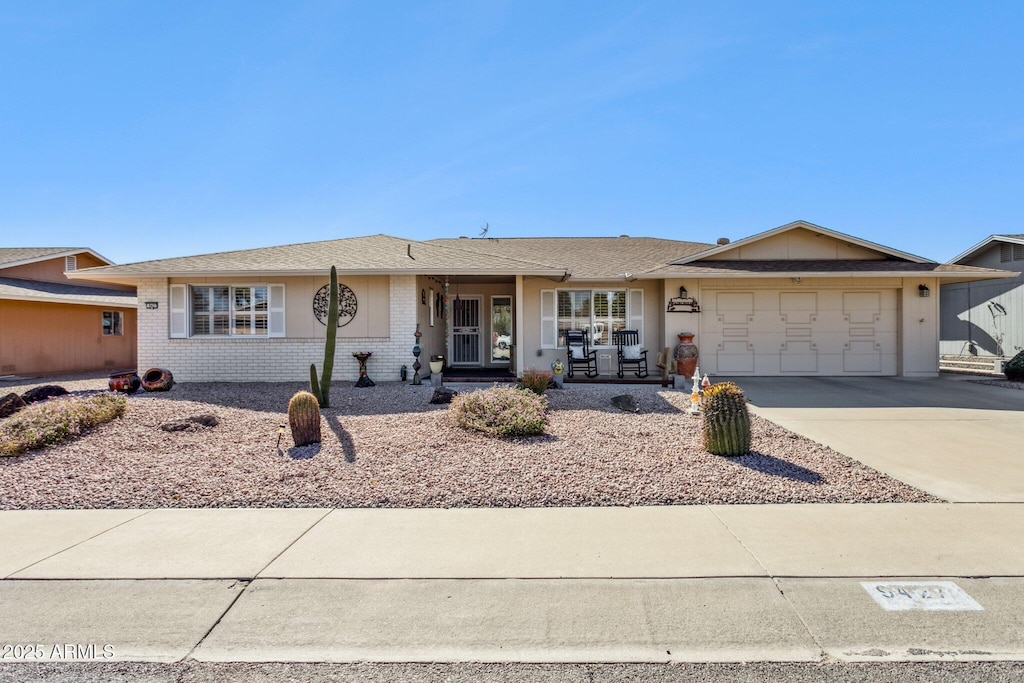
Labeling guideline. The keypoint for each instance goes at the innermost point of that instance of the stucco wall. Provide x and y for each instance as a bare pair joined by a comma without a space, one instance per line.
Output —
40,337
52,270
798,243
233,359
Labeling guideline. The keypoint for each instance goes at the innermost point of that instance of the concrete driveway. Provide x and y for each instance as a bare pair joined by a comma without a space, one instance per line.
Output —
951,436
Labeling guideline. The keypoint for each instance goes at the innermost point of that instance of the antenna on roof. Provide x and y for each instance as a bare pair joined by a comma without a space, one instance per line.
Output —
408,251
483,230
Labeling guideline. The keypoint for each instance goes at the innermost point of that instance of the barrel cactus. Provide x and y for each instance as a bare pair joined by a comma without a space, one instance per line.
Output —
1014,368
726,420
304,418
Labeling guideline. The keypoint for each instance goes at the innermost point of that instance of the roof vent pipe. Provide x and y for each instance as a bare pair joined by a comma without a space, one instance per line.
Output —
408,251
722,241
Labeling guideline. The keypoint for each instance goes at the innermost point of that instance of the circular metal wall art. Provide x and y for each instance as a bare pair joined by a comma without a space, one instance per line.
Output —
347,304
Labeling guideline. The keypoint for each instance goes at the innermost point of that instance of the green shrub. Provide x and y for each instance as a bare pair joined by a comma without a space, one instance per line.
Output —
536,380
501,411
1014,368
56,420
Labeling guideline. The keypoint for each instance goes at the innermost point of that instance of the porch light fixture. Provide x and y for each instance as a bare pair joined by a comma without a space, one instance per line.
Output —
923,291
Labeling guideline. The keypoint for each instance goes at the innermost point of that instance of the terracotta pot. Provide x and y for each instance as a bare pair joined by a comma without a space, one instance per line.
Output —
125,382
686,355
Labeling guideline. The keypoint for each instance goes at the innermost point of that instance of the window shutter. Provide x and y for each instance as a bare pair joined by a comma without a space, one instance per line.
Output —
636,312
179,311
548,326
276,327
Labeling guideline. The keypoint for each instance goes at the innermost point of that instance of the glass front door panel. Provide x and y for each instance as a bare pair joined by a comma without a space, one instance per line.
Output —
501,328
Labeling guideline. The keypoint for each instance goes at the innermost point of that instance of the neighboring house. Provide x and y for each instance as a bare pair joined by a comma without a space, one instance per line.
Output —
986,318
50,325
796,300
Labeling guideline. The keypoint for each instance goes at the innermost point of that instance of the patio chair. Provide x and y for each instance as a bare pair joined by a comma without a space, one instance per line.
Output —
630,353
579,353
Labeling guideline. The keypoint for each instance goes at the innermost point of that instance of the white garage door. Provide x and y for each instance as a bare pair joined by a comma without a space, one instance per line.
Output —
799,332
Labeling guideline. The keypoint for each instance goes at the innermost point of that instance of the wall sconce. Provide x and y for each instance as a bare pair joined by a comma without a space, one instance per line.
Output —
923,291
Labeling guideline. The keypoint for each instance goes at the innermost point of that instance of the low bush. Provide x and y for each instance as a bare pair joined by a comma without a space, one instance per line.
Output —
1014,368
501,411
536,380
56,420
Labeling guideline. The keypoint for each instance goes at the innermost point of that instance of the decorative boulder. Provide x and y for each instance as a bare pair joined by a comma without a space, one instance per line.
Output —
10,404
1014,368
42,393
443,395
204,420
626,403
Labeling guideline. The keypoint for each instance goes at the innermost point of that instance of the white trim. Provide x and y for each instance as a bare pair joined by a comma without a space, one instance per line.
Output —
806,226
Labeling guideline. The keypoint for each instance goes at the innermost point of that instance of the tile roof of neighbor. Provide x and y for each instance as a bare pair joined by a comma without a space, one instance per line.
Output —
584,257
373,253
17,254
56,292
814,266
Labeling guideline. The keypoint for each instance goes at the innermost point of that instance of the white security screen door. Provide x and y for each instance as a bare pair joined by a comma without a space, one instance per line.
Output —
466,338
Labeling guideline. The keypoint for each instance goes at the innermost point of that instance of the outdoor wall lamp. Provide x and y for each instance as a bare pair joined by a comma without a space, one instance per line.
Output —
923,291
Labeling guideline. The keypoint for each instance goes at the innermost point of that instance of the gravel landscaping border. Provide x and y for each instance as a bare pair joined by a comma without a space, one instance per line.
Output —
385,446
1004,383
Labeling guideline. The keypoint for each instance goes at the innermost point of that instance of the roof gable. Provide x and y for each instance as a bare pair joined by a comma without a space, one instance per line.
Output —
798,241
984,244
21,256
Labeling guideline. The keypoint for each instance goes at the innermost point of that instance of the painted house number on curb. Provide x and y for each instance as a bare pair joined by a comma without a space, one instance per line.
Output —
916,595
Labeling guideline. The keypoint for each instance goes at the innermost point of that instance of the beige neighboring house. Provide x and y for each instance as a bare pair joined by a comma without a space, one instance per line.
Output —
50,325
795,300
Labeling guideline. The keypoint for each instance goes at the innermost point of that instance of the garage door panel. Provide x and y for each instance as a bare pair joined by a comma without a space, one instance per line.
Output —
800,332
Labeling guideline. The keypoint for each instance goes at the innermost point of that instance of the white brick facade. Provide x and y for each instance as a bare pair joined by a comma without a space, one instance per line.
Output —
234,359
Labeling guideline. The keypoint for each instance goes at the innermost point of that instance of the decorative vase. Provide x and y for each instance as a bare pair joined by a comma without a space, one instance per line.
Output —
125,382
436,365
685,355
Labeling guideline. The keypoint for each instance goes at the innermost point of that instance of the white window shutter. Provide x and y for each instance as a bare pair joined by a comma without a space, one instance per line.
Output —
179,311
636,312
276,327
548,321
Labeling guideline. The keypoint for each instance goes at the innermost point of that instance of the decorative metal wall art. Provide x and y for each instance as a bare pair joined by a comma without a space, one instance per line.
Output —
347,304
683,303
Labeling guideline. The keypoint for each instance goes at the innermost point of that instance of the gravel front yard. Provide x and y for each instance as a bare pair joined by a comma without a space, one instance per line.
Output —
387,447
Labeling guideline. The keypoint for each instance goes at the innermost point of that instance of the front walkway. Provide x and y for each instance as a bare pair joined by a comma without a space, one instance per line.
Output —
949,436
700,583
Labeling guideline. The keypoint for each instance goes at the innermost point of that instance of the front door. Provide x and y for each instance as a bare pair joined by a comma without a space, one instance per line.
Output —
466,337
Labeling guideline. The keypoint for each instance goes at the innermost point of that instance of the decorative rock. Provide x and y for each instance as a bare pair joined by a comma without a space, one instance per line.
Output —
10,404
626,403
443,395
204,420
42,393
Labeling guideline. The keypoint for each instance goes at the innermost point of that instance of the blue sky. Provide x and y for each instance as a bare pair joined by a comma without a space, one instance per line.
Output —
146,130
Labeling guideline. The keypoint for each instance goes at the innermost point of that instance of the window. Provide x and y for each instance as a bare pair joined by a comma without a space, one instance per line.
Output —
113,324
600,312
223,310
226,311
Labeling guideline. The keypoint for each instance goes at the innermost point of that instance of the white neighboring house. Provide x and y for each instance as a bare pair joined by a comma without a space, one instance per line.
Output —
986,318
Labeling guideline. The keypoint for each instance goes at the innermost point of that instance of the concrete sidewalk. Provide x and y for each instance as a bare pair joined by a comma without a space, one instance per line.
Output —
700,583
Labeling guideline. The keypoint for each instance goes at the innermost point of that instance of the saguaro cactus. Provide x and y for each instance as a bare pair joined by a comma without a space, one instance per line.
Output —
322,389
726,422
304,418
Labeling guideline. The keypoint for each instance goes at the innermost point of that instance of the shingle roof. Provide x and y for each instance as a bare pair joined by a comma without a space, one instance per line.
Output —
374,253
761,268
584,257
55,292
17,254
